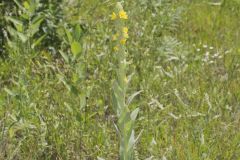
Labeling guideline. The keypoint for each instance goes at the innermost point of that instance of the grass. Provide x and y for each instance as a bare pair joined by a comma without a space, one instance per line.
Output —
55,97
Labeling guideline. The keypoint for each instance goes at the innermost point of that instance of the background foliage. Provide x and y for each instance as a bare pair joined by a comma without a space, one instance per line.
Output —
57,68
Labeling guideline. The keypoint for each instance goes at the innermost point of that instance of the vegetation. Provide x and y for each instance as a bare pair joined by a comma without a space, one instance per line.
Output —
80,80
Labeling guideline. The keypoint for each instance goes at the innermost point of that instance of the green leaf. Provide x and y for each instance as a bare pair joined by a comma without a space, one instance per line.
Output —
11,93
71,88
69,36
26,5
11,132
17,23
83,102
62,79
77,33
65,56
133,96
38,41
12,44
17,34
19,5
81,70
116,105
34,26
74,90
76,48
134,114
118,97
34,4
22,37
131,142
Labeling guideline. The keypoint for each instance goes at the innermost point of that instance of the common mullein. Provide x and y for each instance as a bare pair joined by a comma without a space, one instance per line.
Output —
126,118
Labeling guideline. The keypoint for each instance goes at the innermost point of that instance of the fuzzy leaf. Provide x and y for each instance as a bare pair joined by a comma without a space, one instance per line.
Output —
134,114
133,96
131,141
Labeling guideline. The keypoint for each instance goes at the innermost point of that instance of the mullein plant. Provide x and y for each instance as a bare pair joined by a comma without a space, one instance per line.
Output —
126,118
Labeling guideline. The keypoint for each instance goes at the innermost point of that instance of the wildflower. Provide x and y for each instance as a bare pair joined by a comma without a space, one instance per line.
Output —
123,14
205,46
115,48
123,41
113,16
125,32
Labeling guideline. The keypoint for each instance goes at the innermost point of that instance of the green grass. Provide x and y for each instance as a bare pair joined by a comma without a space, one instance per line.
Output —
55,98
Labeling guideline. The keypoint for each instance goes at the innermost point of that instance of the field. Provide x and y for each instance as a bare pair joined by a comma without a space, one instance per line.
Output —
136,80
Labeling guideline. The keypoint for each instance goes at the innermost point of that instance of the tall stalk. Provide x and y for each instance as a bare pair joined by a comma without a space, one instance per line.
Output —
125,117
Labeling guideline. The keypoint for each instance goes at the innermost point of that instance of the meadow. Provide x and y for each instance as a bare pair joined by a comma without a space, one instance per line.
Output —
129,80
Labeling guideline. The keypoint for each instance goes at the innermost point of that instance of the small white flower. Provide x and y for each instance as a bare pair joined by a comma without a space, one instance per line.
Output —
205,46
207,54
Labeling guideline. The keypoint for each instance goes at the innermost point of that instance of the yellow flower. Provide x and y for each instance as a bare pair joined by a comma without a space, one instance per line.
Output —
113,16
115,48
123,14
125,32
123,41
